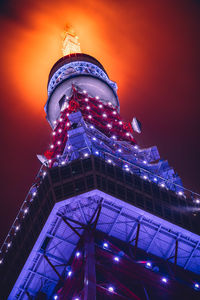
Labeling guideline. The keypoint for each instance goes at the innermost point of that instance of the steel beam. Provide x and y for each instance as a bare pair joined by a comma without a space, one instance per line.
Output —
53,267
153,239
90,270
136,239
133,230
191,255
82,213
70,226
115,221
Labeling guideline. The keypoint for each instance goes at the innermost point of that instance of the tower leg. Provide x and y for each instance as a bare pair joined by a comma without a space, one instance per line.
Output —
90,271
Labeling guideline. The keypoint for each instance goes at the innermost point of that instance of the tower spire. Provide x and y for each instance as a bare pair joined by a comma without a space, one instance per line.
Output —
71,42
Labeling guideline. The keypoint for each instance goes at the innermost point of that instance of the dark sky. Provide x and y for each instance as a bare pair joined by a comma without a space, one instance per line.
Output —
150,48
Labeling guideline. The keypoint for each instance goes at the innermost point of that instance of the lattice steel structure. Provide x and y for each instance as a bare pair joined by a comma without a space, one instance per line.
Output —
105,219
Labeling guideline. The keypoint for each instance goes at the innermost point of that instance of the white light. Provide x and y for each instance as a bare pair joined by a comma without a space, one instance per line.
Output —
68,124
44,173
119,150
69,273
9,244
127,134
68,147
55,297
127,169
59,142
162,185
164,280
197,286
50,160
145,177
144,162
109,125
114,113
109,161
67,114
78,254
51,146
54,122
114,137
126,166
97,97
60,119
148,265
97,152
84,91
116,258
104,115
90,117
92,127
120,122
63,163
105,245
60,130
58,155
1,261
26,210
180,193
76,299
88,107
111,289
86,99
17,228
34,194
86,154
53,133
100,105
94,139
109,103
197,201
155,179
135,147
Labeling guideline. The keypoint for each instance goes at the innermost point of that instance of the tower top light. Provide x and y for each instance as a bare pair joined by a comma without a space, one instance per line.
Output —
71,42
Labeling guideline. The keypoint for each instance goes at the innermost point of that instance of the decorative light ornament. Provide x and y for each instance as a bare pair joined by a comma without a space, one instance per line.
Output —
90,117
114,112
84,92
97,152
86,154
120,122
135,147
148,265
94,139
197,201
26,210
97,97
44,173
104,115
60,130
17,228
63,162
119,150
109,103
52,146
109,125
1,261
86,99
55,297
155,179
164,279
109,161
87,107
53,133
127,134
59,142
100,105
114,137
34,194
144,162
145,177
92,127
8,245
68,124
60,119
162,185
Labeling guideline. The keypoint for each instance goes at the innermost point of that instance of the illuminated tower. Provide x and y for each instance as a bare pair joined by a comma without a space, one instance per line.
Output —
105,219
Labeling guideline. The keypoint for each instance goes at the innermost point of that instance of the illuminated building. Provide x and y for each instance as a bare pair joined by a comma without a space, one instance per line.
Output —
105,219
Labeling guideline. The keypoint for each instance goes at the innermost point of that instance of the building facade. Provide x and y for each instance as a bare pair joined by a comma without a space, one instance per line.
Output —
105,218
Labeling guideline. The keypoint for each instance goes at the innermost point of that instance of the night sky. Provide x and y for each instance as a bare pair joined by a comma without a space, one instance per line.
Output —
150,48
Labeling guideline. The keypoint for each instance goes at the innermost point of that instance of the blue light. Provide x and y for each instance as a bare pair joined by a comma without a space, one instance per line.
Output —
105,245
164,279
